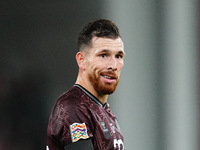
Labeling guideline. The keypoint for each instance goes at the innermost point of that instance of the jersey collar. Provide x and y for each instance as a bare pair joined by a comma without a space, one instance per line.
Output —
96,100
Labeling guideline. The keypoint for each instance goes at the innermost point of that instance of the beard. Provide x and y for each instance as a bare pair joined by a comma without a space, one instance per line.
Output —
101,87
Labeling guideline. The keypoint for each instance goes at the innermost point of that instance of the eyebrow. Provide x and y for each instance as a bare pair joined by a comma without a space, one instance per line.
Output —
121,52
108,51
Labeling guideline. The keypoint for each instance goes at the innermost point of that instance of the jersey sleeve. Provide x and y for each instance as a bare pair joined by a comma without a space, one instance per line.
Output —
81,144
68,125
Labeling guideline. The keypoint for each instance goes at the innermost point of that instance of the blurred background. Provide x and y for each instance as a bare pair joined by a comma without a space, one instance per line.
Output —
157,100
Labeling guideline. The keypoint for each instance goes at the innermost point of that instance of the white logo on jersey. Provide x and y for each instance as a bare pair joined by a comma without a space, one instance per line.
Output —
112,128
47,148
118,144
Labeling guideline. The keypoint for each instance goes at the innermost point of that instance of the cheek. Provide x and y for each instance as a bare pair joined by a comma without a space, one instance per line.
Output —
99,65
120,65
93,68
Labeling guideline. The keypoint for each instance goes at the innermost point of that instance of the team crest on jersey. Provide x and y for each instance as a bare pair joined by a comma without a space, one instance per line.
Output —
78,131
105,130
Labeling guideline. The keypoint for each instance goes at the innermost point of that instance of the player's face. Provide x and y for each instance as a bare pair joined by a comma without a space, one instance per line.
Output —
104,63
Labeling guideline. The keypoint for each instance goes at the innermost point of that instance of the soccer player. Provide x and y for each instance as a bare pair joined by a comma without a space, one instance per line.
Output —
81,118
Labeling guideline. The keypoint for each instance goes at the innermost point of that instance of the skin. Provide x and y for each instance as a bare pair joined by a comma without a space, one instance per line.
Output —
100,66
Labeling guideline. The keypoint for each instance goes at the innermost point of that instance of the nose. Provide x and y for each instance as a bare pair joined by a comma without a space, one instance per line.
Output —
112,64
113,69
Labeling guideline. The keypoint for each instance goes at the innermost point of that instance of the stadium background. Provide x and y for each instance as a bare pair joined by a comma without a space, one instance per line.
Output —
157,100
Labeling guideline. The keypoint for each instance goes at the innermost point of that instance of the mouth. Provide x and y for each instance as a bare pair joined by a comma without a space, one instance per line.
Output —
109,77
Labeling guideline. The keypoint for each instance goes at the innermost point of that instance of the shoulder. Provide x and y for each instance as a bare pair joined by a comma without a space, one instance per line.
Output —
68,100
70,96
71,105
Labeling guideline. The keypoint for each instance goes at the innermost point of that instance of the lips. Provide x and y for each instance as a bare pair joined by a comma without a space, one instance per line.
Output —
109,76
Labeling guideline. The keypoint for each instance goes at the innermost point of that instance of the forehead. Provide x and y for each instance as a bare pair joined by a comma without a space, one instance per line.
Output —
100,43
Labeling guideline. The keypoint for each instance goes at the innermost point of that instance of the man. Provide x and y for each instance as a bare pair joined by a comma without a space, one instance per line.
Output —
81,119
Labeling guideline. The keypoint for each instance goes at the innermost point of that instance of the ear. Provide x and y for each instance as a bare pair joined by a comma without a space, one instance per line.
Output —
80,60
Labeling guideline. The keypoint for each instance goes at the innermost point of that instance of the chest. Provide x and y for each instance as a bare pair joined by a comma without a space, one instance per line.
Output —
107,134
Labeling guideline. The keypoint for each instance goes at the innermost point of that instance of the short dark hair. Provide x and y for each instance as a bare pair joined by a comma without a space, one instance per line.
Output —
99,28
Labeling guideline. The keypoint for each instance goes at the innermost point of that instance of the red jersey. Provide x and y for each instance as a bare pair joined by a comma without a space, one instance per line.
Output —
78,115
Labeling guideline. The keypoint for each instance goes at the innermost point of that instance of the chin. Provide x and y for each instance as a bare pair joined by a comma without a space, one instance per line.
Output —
102,88
105,89
108,90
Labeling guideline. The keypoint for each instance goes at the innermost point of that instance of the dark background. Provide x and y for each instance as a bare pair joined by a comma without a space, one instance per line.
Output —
37,64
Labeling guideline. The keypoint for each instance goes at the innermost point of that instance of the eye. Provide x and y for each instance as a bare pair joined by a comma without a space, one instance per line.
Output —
119,56
103,55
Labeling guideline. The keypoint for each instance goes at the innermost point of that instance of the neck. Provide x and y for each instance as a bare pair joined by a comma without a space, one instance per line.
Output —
86,84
